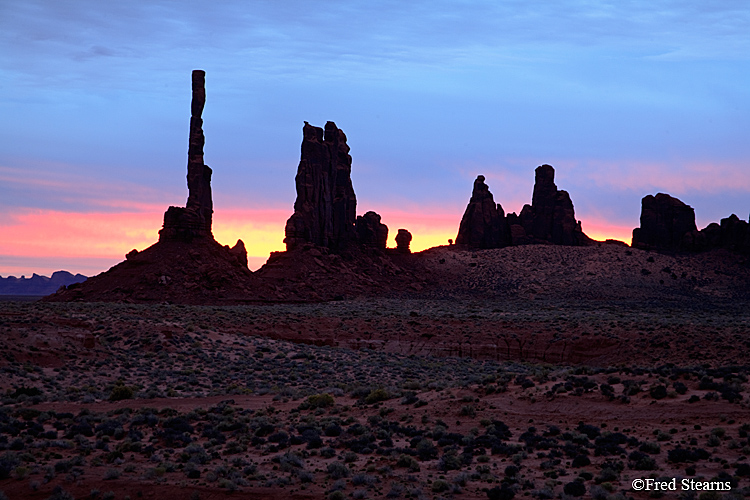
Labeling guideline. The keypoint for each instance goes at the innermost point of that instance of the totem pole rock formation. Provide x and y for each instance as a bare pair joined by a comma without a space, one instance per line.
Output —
193,220
483,224
325,209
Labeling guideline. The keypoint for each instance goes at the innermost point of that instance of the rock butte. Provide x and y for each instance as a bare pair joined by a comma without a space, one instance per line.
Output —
668,224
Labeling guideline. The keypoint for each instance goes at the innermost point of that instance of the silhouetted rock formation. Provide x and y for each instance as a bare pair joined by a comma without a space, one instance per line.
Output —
194,220
403,240
187,265
370,231
549,219
734,234
483,224
665,221
669,224
325,209
551,216
239,251
38,285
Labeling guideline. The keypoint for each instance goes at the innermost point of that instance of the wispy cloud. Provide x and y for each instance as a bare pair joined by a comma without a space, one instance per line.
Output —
63,187
679,178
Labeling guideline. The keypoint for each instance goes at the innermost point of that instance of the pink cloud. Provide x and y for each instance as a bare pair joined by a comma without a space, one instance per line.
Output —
678,178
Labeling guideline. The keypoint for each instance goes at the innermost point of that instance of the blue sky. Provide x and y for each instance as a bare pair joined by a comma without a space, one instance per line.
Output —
625,99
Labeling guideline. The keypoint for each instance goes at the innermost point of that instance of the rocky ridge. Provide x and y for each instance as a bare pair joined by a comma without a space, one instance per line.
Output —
38,285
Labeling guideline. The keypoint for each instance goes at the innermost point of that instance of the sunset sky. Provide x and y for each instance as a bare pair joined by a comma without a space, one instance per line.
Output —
623,98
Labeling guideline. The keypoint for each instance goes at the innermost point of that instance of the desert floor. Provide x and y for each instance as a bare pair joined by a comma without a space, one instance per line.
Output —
441,397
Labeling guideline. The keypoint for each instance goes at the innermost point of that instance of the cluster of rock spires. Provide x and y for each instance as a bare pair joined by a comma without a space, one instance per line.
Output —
330,248
325,211
187,265
550,219
669,224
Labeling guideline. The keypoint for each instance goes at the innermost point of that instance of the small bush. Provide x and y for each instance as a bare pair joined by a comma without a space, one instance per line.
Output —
320,400
337,470
645,463
650,448
658,392
500,493
575,489
580,461
408,462
440,486
121,392
377,395
468,411
112,474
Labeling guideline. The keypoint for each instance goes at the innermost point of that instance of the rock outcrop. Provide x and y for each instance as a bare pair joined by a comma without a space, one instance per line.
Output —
193,220
665,222
239,252
668,224
734,234
403,240
483,224
549,219
187,265
325,209
370,231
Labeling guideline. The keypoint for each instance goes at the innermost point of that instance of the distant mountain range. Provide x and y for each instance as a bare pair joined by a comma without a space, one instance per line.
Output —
38,285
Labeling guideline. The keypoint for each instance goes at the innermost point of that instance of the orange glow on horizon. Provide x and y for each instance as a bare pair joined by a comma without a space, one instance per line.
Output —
99,238
601,230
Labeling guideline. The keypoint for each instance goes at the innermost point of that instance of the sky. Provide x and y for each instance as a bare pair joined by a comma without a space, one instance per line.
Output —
623,98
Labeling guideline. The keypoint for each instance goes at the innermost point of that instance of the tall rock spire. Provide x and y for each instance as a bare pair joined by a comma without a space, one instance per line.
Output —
483,224
194,220
325,209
